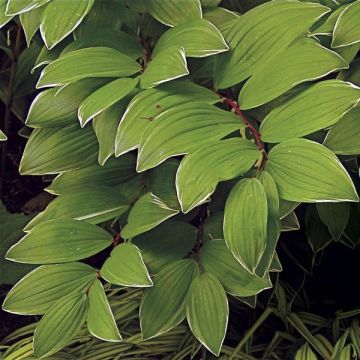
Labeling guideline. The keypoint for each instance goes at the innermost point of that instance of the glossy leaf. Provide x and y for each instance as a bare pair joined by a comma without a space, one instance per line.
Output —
92,204
171,12
306,171
174,131
200,171
198,38
60,324
60,18
162,306
344,137
15,7
236,280
245,222
126,267
347,27
260,32
54,150
167,65
57,241
166,243
295,64
207,311
53,108
335,216
89,62
114,172
104,97
318,107
44,286
149,104
148,212
100,319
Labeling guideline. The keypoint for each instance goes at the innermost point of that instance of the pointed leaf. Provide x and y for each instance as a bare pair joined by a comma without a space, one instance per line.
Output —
279,72
305,353
166,243
59,241
3,137
54,150
4,18
245,222
171,12
148,212
167,65
347,27
93,204
103,98
149,104
162,306
207,311
260,32
344,137
126,267
60,324
198,38
318,107
200,171
218,260
174,131
89,62
15,7
30,22
41,288
290,222
100,319
60,18
306,171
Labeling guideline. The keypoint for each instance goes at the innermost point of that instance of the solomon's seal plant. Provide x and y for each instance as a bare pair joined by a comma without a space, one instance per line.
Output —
180,136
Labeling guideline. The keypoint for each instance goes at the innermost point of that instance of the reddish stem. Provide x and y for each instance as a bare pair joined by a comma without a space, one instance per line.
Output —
117,240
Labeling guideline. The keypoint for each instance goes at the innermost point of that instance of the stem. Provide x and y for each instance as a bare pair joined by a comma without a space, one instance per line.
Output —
8,105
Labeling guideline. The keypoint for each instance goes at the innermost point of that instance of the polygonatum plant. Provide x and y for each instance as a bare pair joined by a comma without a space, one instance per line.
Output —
179,137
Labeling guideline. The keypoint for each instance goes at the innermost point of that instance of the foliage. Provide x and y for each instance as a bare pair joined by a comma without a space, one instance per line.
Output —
238,115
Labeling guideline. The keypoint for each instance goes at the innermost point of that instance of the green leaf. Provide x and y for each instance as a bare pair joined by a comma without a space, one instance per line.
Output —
326,27
30,22
222,18
100,319
319,106
11,225
288,68
126,267
105,125
245,222
15,7
167,65
207,311
200,171
347,27
59,241
60,18
199,38
335,216
3,137
355,335
174,131
273,223
286,207
104,97
54,150
89,62
44,286
148,212
60,324
114,172
171,12
290,222
306,171
217,259
305,353
93,204
162,306
168,242
344,137
260,32
146,106
4,19
52,108
339,346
